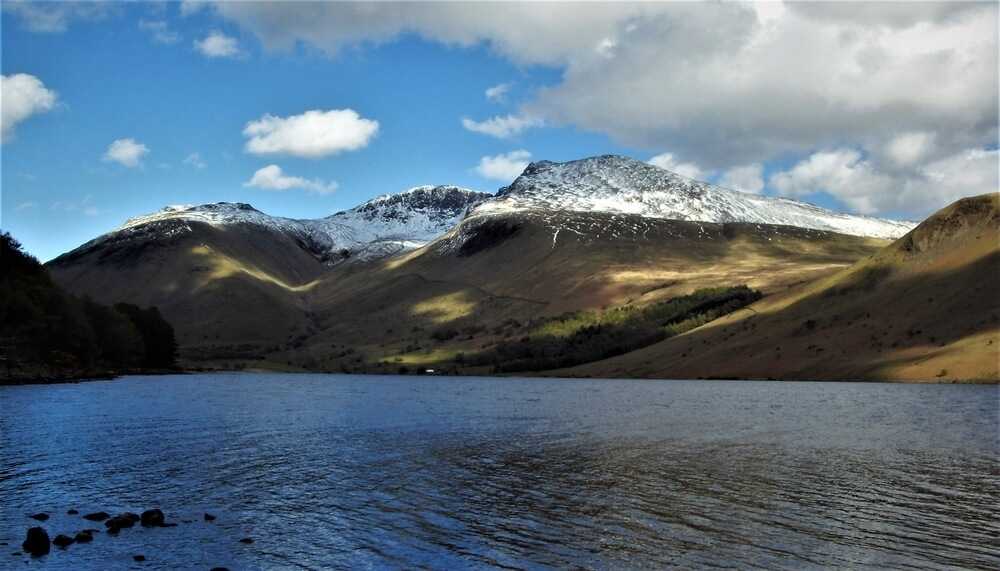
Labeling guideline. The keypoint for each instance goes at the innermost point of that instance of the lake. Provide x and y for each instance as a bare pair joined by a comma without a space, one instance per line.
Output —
353,472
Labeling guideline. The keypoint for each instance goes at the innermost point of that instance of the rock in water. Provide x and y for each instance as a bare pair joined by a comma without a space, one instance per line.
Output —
246,540
36,542
120,522
83,537
209,517
139,557
40,516
72,512
152,518
97,516
62,541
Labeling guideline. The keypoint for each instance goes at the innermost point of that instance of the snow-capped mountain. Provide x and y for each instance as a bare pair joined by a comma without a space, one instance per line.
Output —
398,222
623,185
381,226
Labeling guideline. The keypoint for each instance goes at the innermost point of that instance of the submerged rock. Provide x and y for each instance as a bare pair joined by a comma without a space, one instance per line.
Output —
40,516
36,542
139,557
209,517
97,516
246,540
71,512
152,518
62,541
83,537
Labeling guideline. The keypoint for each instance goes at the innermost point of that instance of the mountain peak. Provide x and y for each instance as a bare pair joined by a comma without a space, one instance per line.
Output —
618,184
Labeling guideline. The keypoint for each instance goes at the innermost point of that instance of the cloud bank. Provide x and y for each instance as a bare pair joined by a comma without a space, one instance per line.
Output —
908,86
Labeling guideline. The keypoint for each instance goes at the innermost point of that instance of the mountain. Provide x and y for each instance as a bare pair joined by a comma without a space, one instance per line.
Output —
922,308
421,277
622,185
382,226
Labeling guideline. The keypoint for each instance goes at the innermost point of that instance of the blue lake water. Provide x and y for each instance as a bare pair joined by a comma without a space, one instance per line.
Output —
354,472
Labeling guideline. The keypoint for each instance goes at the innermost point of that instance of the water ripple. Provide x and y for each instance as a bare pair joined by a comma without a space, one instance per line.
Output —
367,472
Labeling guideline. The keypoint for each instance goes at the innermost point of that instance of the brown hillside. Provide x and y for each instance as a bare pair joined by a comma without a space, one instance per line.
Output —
492,272
227,290
246,296
925,308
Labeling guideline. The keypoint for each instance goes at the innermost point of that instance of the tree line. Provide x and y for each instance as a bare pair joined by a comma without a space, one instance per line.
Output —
585,336
44,330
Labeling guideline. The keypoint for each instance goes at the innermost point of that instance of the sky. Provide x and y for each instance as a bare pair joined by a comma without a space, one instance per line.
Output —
111,110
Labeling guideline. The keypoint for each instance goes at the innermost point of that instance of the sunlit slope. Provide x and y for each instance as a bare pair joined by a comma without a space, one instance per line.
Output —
924,308
495,269
246,295
233,290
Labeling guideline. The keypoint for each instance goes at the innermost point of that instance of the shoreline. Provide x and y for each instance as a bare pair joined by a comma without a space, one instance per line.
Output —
84,376
93,376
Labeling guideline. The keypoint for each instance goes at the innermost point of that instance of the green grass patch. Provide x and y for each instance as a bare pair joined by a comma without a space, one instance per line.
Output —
586,336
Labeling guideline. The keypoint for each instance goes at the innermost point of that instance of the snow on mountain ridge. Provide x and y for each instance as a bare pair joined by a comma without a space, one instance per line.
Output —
616,184
378,227
391,223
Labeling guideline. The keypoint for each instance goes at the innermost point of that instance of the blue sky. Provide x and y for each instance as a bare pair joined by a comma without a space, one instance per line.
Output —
135,72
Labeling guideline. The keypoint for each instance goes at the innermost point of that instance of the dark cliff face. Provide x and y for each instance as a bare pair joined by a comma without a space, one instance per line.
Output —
439,202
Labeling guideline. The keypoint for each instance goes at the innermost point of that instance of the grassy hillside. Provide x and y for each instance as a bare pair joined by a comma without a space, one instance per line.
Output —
231,292
925,308
247,297
494,279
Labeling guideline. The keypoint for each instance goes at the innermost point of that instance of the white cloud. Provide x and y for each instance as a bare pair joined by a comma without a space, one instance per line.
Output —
502,127
55,17
312,134
505,167
725,84
746,178
218,45
195,160
859,183
126,152
606,48
272,177
497,93
26,205
160,31
908,149
667,161
966,173
21,96
842,173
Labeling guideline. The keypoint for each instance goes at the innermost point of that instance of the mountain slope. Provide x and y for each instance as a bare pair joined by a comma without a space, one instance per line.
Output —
425,274
923,308
240,285
492,276
623,185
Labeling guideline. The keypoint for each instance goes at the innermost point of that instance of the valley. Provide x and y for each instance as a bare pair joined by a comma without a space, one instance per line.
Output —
440,277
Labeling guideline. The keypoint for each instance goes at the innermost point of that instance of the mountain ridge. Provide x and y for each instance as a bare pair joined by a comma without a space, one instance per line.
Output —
393,223
618,184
